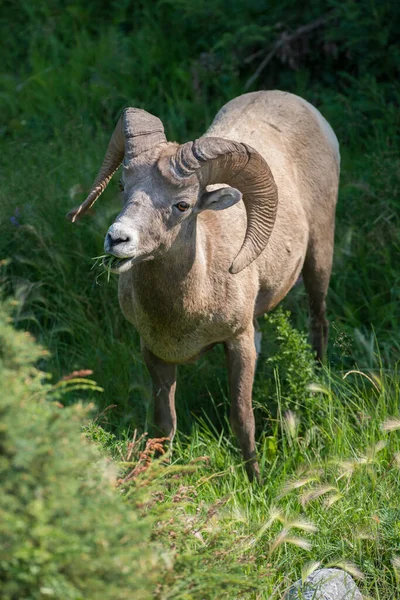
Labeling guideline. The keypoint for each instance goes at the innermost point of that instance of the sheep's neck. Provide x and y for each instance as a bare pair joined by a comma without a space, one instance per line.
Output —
171,286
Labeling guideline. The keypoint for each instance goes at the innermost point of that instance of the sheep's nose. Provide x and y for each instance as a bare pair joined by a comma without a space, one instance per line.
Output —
120,238
114,239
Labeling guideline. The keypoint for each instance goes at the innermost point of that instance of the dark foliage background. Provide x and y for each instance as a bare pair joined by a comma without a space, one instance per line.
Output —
67,71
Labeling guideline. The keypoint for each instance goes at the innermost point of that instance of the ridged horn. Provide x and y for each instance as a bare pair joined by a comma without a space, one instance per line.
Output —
216,160
137,131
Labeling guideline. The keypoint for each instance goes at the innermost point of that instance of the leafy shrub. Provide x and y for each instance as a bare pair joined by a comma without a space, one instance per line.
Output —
64,531
287,363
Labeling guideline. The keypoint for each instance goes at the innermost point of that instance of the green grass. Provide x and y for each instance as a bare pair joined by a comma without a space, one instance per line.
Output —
329,495
67,73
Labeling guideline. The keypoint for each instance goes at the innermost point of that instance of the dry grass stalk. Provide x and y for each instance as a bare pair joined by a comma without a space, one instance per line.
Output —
153,446
391,424
290,486
309,568
349,567
330,500
316,492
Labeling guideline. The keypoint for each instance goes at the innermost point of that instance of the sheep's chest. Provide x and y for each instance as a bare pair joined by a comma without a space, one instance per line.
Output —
175,332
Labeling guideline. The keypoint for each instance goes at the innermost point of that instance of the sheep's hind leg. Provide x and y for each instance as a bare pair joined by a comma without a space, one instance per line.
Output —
241,358
316,273
163,376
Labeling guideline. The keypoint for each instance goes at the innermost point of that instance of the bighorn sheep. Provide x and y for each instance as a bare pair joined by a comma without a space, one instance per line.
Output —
187,279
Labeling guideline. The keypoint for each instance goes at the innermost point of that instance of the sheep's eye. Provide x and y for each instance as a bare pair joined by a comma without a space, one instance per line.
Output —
121,186
182,206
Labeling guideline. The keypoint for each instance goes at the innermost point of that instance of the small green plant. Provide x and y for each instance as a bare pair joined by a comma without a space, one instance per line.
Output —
65,532
286,365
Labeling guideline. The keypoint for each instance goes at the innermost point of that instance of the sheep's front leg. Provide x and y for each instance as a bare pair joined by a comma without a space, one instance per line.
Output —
163,376
241,358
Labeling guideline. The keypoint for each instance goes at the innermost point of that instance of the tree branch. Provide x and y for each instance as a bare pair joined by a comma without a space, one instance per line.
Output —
285,39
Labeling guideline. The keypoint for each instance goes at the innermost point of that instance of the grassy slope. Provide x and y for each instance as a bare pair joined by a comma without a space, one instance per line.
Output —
60,101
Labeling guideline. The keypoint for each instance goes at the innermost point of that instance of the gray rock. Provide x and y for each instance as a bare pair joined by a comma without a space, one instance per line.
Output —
325,584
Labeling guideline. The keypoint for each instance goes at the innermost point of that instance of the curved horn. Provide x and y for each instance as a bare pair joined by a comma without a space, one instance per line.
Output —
137,131
216,160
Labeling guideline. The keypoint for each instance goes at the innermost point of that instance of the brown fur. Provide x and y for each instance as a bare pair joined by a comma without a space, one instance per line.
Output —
185,300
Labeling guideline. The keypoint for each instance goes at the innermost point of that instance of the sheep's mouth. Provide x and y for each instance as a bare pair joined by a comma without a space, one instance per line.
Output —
114,264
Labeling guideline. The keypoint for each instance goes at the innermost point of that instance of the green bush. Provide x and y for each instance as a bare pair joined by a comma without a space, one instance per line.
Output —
287,363
64,530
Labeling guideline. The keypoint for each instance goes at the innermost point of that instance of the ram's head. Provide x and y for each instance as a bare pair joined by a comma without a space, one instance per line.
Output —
166,185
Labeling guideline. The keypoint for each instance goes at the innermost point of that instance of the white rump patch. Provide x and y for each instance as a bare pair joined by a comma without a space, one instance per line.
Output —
326,128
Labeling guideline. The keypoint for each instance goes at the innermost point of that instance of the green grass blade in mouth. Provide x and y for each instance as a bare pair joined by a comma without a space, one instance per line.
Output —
112,262
108,262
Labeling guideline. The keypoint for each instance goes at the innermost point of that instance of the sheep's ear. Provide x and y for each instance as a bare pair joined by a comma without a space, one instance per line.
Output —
219,199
